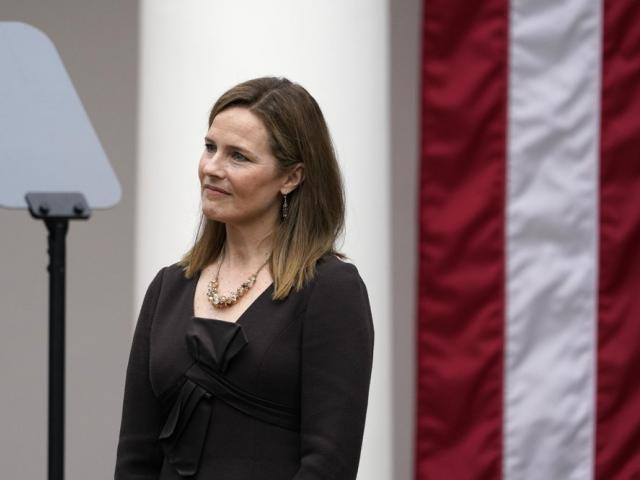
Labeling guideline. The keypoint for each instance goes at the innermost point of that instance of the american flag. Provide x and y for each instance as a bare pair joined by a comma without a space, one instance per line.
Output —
529,294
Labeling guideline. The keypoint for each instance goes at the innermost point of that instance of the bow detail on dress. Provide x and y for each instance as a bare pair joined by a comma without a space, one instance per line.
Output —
215,342
212,343
185,429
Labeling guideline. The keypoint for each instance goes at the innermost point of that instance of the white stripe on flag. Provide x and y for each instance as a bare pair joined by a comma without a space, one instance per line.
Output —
552,224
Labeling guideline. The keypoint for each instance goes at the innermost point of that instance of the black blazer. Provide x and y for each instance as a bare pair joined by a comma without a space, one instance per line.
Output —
279,395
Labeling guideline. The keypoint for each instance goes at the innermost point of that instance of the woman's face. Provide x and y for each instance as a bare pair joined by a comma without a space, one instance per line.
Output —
239,179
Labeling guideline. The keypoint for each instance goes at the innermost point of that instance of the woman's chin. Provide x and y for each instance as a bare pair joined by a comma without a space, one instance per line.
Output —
214,216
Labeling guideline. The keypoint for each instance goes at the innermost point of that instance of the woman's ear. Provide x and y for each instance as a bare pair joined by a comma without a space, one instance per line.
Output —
293,179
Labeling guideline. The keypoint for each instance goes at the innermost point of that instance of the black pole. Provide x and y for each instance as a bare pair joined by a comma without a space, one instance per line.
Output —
56,209
57,228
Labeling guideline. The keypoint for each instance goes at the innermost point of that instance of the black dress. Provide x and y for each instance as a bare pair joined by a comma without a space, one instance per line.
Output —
279,395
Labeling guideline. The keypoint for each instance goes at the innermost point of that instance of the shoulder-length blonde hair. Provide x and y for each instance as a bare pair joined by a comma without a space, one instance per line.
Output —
298,133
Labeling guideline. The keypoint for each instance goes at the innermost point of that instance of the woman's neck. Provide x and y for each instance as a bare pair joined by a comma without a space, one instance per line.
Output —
247,246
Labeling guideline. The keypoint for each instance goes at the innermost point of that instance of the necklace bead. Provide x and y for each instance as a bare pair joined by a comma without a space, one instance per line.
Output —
225,301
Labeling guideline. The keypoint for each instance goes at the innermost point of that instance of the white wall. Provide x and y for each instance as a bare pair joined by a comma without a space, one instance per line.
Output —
191,52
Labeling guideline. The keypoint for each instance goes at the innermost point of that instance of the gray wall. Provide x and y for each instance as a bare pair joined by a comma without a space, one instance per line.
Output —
98,42
405,41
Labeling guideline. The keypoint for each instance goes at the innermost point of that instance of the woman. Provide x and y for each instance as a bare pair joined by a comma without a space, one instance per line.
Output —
252,356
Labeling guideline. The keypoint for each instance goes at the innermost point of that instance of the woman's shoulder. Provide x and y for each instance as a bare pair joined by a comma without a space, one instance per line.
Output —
175,272
331,262
168,277
334,272
338,293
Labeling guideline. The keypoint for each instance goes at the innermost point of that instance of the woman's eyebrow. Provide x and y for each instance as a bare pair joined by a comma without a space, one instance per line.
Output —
231,147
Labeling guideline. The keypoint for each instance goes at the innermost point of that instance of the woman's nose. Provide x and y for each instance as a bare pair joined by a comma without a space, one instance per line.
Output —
214,164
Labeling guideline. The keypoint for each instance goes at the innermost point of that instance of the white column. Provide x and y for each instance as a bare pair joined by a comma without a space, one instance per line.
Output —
191,52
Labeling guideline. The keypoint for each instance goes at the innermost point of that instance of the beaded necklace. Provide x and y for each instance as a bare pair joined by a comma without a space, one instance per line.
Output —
225,301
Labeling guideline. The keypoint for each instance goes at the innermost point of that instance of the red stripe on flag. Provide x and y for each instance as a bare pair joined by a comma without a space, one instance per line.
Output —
618,388
461,247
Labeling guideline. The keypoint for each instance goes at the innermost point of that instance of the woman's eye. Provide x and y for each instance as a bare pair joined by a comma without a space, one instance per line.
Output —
210,147
238,156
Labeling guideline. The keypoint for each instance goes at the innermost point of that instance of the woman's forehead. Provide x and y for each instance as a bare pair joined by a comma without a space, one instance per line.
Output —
239,122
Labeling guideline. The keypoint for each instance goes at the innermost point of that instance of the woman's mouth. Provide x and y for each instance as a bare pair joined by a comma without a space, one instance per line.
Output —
215,191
